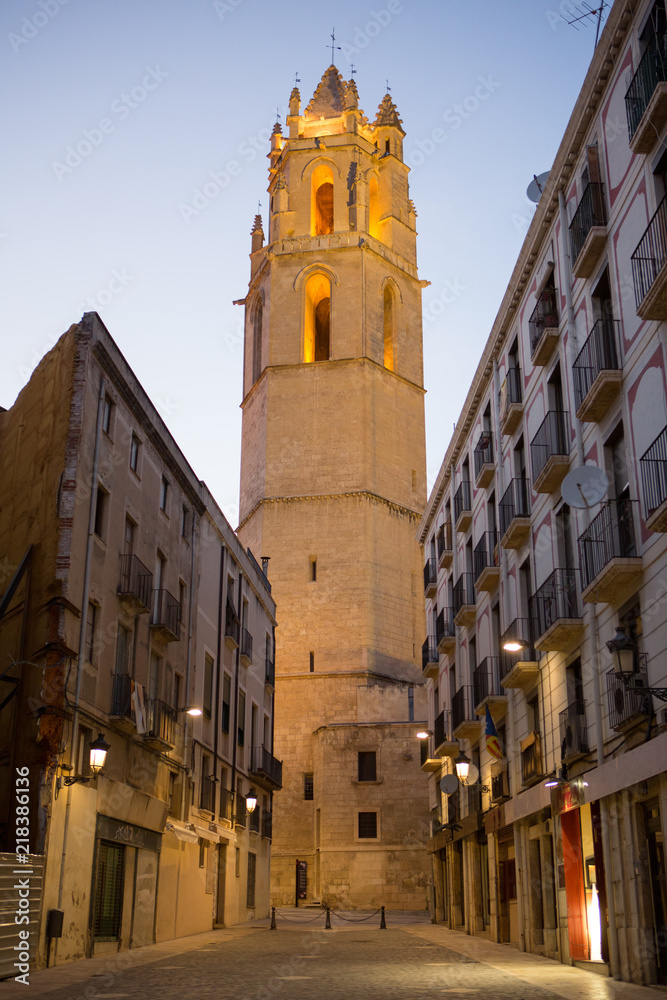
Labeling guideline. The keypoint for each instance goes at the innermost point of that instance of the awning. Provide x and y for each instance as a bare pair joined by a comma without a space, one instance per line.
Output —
182,832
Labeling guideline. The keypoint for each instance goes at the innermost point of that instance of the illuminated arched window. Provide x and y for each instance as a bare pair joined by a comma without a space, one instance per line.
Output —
316,341
373,208
257,341
322,209
389,321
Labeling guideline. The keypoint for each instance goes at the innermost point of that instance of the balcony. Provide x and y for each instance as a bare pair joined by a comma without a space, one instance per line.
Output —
463,507
166,617
428,759
254,820
486,688
555,613
266,769
514,514
550,452
486,562
464,599
646,99
430,578
588,230
226,805
267,824
232,628
649,267
122,709
445,745
573,732
543,326
246,648
135,586
240,810
653,466
445,633
500,784
483,461
518,668
160,725
444,545
629,704
610,566
465,722
430,658
511,401
269,671
207,794
532,769
597,372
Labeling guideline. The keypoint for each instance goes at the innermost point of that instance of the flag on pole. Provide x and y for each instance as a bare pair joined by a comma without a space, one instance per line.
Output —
492,741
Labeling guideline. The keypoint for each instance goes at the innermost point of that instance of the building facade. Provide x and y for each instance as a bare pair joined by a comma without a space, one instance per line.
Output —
332,489
527,580
126,601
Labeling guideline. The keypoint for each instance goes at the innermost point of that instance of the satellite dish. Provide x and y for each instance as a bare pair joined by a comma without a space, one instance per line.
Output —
536,186
585,486
449,784
473,774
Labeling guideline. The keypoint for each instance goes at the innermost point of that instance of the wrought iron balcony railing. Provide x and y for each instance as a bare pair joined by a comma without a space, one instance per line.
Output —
254,820
246,644
519,631
511,393
651,71
531,759
166,615
270,671
240,810
556,598
265,765
232,625
464,592
651,254
573,732
226,808
441,729
598,354
486,680
653,466
483,452
626,702
462,499
444,625
610,535
121,697
136,580
551,439
515,502
544,316
462,706
444,539
207,796
591,211
430,574
485,553
429,652
160,721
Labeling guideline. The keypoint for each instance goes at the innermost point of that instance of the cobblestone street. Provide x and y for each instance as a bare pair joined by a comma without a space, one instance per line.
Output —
299,961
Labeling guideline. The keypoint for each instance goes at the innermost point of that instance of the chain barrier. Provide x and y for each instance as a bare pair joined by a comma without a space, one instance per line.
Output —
328,911
297,920
357,920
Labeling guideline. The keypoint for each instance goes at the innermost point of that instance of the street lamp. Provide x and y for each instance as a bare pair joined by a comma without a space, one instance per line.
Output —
462,765
423,734
623,650
251,800
190,710
98,755
514,645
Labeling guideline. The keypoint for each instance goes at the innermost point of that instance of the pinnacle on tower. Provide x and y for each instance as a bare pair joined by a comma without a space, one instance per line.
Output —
257,234
388,114
328,101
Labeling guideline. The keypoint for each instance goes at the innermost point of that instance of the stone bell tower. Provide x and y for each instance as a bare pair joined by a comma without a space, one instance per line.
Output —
332,488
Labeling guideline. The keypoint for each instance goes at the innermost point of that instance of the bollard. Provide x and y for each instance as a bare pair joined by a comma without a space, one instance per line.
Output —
383,922
327,922
273,919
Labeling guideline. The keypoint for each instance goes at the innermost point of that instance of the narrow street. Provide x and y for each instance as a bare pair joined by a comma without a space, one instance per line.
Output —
410,960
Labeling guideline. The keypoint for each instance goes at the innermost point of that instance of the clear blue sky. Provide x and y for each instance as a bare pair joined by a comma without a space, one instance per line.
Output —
157,94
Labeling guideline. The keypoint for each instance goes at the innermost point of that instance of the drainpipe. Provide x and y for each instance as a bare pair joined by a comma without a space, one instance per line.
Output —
591,615
237,663
188,663
218,667
82,633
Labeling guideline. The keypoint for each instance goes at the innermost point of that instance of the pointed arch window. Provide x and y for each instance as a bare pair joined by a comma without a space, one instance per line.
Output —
257,341
373,208
317,332
322,201
389,324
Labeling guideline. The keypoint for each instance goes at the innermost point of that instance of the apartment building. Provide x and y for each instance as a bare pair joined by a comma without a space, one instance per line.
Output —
127,604
557,846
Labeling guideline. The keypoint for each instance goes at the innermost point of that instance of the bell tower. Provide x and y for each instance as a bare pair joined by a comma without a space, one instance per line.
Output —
333,483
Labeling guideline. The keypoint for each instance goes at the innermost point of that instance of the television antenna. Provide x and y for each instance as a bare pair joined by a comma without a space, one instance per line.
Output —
584,487
585,11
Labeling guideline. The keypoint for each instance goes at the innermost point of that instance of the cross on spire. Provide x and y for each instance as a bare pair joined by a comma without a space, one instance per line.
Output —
388,87
353,69
296,78
277,114
259,207
333,45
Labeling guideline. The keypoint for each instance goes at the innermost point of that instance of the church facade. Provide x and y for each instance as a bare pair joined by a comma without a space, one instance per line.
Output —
332,488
